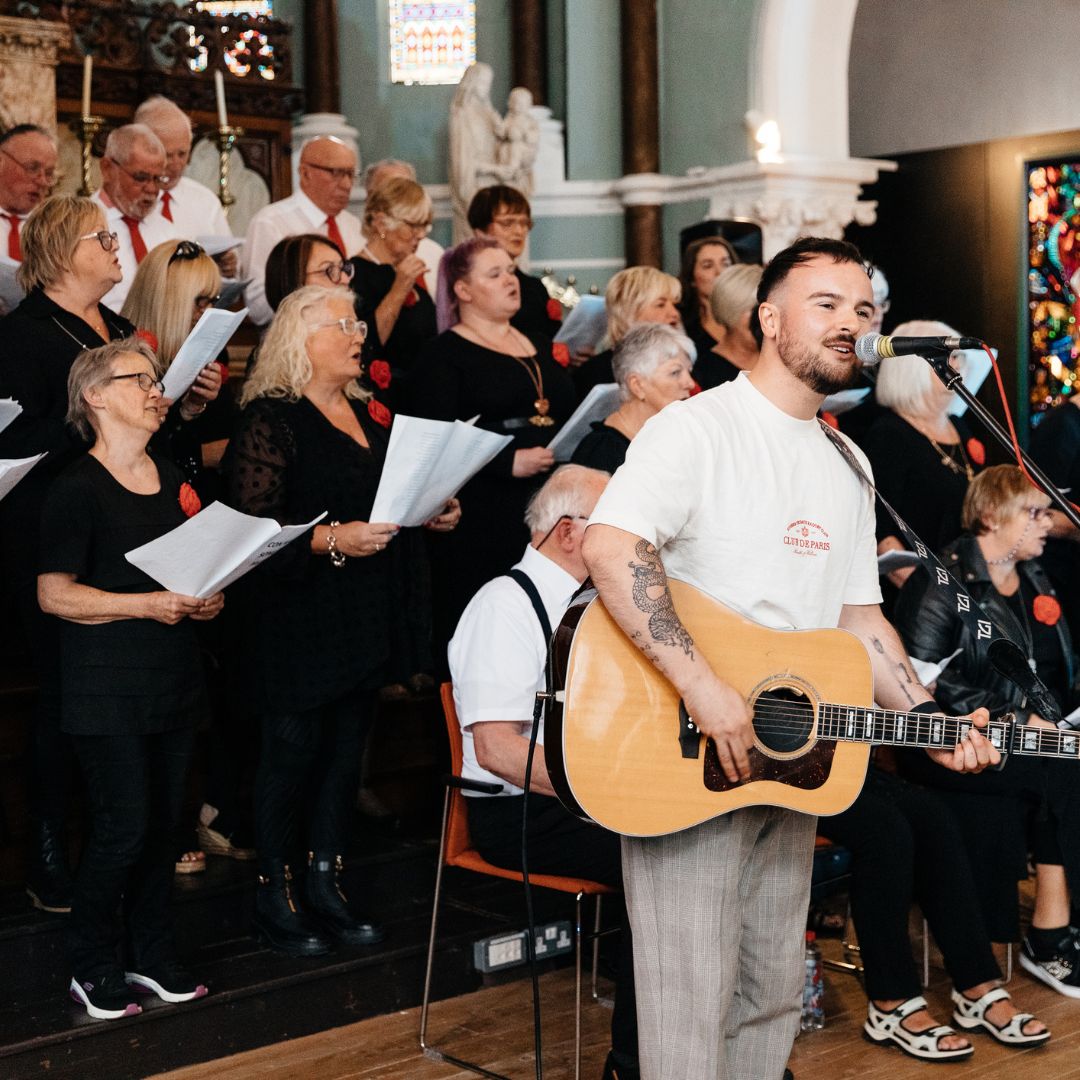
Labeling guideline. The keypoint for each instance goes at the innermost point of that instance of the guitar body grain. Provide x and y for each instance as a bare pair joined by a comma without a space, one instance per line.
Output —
613,748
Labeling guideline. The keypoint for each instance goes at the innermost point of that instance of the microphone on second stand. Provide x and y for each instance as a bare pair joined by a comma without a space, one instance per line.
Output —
871,349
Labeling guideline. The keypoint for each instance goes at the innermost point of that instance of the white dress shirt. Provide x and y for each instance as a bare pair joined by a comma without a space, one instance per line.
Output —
196,210
5,229
287,217
154,229
498,652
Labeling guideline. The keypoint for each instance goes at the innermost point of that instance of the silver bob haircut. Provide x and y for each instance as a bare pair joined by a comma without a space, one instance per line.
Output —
644,348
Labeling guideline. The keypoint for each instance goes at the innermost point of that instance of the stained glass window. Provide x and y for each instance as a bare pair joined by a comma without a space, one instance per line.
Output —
1053,288
237,7
431,43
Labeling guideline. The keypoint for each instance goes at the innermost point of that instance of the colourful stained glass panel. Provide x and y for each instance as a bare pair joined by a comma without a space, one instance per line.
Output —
225,7
431,43
1053,285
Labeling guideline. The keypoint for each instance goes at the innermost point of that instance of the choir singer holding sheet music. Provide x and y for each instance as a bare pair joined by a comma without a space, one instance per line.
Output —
131,681
325,616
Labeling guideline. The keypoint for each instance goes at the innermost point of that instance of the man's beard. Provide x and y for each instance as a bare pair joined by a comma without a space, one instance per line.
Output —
815,372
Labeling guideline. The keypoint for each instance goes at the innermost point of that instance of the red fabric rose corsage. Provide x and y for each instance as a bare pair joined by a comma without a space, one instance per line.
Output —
224,369
561,353
554,309
976,451
695,390
831,420
379,412
190,502
1046,609
149,337
379,370
412,299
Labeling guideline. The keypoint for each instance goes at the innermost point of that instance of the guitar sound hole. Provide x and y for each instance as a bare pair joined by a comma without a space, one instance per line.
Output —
783,720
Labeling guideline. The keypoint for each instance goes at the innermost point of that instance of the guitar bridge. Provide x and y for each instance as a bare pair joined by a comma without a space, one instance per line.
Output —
689,735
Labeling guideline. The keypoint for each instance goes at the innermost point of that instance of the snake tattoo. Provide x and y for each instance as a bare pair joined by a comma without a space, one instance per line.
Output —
664,624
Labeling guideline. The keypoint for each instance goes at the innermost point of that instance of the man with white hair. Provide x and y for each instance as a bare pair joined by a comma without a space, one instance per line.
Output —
391,169
497,659
327,172
132,175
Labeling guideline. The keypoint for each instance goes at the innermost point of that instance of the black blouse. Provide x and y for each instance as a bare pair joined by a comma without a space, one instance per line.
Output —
131,676
710,368
535,314
603,448
318,632
415,325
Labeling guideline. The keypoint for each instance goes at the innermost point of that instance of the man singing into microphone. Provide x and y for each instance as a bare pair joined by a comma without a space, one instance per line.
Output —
710,490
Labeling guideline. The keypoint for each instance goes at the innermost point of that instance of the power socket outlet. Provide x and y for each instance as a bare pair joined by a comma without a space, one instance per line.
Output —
508,950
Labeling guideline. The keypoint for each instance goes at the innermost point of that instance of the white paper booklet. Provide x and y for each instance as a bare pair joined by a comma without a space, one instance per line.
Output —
428,462
585,326
213,549
9,409
601,401
928,671
844,400
218,245
11,292
974,365
208,337
12,471
232,289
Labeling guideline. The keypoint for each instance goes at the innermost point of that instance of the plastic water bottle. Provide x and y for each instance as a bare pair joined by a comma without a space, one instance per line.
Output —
813,997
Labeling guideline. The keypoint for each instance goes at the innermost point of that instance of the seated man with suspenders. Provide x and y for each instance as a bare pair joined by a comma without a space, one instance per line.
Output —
497,658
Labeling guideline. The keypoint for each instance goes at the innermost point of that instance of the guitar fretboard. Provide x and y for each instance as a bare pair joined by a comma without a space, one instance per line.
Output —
885,727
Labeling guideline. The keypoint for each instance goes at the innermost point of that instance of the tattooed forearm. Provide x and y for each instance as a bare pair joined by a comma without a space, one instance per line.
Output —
665,626
905,677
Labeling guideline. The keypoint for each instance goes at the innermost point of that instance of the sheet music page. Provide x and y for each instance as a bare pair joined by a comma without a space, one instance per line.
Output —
974,365
928,671
211,549
11,292
844,400
585,326
209,336
9,409
428,462
13,470
601,401
218,245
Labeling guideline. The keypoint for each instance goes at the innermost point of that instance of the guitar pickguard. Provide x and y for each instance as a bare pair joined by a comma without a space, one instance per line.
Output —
807,771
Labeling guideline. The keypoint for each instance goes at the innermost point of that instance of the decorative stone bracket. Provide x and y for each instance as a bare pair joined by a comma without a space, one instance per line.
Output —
29,50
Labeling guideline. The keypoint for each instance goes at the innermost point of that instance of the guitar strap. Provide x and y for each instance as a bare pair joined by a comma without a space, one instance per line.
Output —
531,592
1006,656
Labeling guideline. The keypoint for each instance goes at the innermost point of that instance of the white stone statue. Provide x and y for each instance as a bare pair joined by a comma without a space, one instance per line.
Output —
519,142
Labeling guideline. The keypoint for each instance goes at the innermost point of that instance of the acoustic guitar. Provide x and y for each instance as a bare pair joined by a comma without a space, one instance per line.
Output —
622,751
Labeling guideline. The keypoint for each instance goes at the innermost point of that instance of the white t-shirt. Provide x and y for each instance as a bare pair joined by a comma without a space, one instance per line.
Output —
498,653
753,506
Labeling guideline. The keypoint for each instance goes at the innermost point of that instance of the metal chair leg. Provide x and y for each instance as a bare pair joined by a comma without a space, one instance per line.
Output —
596,947
577,986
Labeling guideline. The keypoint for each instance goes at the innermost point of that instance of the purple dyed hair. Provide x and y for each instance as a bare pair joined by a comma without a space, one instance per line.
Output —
456,263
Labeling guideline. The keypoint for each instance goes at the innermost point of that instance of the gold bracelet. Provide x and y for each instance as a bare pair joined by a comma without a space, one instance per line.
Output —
337,558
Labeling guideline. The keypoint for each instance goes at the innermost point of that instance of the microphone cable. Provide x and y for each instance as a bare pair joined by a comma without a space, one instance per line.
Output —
530,950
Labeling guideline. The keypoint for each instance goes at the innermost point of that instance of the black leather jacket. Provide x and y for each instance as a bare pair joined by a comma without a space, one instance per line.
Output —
931,630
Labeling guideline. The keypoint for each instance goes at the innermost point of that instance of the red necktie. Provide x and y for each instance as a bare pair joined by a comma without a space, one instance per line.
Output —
137,243
13,246
166,198
334,233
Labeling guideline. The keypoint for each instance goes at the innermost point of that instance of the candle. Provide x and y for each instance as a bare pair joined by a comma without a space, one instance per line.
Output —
219,90
87,70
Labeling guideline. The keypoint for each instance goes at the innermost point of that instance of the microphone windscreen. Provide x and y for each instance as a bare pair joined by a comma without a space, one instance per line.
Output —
866,349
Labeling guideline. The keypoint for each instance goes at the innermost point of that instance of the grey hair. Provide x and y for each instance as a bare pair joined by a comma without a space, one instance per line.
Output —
644,348
159,107
376,167
734,293
565,494
122,142
905,383
93,368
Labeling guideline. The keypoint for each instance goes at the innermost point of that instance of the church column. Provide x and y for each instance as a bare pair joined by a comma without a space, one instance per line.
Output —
528,28
641,125
28,56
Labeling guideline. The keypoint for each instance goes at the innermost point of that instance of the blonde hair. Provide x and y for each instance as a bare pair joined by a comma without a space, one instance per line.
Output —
93,368
995,495
50,236
401,199
282,367
632,289
734,293
905,383
163,295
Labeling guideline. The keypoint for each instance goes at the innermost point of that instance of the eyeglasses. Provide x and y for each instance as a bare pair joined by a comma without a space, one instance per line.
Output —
34,169
564,517
1040,513
186,249
106,239
337,272
337,174
204,302
141,178
421,230
513,221
348,327
146,382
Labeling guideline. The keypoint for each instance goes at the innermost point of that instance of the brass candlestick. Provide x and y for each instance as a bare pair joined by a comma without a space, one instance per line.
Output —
226,139
87,127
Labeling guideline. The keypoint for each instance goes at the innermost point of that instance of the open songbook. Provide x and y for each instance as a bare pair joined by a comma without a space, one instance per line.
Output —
9,409
13,470
427,463
208,337
213,549
600,402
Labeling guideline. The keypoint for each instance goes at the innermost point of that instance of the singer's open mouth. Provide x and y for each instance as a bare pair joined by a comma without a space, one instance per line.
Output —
845,347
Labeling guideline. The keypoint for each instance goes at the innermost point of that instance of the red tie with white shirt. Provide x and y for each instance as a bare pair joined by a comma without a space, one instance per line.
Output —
14,247
334,233
138,244
166,211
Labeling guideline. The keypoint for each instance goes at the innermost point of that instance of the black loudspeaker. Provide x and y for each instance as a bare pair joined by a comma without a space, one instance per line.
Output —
743,236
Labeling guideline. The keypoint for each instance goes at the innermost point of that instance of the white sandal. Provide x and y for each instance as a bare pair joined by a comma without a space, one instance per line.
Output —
971,1016
882,1027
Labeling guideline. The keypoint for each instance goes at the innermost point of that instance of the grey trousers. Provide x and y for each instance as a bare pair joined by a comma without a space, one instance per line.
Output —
718,914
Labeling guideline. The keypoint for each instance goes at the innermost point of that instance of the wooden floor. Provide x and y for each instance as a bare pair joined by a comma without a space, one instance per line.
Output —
495,1026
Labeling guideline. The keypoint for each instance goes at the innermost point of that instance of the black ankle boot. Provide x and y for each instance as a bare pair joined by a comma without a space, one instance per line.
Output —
279,921
48,881
328,904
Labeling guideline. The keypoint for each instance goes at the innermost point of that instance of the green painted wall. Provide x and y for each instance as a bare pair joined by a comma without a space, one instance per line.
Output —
593,93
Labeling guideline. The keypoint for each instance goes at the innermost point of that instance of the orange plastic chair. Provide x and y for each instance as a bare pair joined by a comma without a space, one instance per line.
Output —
455,849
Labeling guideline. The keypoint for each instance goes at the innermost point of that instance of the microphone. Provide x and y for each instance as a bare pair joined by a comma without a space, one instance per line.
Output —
871,349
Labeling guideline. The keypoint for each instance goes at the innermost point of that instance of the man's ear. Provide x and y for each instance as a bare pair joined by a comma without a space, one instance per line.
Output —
769,318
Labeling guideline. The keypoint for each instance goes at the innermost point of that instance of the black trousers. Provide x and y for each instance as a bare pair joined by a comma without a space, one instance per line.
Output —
905,847
308,774
135,794
560,843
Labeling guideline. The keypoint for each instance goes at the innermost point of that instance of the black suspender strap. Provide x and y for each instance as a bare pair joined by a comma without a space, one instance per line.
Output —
1006,656
531,592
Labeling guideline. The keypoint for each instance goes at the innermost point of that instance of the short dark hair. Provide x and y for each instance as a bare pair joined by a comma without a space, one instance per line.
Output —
286,263
488,201
25,129
802,251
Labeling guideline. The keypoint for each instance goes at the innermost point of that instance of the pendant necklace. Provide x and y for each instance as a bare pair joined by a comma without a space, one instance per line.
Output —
531,366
